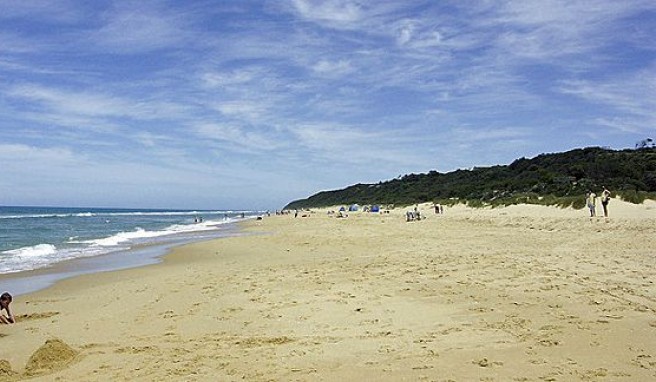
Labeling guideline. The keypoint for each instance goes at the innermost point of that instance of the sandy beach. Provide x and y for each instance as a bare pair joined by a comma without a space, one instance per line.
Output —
522,293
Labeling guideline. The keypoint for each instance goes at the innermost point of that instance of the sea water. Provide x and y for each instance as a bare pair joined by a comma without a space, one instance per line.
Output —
33,238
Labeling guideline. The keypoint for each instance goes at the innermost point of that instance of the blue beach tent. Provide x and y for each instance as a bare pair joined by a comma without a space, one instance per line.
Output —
354,207
375,208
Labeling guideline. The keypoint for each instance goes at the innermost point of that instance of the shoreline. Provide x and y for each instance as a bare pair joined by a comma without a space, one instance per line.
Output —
30,281
517,293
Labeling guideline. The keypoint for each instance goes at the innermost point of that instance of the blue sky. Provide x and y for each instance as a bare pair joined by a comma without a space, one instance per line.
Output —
251,104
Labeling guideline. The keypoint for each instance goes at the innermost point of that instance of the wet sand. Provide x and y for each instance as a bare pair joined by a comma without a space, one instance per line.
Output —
524,293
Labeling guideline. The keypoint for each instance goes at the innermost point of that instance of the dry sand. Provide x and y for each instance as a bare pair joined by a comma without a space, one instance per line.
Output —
523,293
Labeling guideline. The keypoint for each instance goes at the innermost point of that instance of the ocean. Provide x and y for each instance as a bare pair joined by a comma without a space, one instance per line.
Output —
40,238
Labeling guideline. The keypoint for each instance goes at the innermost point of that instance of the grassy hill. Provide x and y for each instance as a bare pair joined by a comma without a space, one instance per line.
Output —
559,178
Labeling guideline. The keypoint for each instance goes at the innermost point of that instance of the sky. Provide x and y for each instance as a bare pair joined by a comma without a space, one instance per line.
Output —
251,104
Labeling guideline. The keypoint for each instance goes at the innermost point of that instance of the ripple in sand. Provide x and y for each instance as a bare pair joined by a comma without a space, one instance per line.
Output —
35,316
260,341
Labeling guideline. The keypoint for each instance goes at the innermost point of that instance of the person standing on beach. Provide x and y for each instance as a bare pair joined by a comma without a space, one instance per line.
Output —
5,300
591,199
605,198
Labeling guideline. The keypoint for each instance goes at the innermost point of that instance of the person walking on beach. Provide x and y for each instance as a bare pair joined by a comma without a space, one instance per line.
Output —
605,198
591,199
5,300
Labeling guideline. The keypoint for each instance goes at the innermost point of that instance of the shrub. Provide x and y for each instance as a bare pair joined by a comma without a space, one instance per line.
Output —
475,203
632,196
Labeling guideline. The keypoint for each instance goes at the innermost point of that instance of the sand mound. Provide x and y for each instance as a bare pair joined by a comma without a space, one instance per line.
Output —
5,369
53,355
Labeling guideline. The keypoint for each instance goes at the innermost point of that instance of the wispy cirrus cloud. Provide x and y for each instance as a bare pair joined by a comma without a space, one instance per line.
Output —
360,90
136,27
71,101
233,137
90,104
20,153
332,68
546,30
352,145
64,11
231,78
244,110
628,101
13,43
333,12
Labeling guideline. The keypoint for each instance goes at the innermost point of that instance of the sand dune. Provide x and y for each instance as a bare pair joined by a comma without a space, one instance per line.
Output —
523,293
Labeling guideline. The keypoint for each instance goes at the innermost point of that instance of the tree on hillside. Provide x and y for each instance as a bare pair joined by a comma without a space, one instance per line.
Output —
645,143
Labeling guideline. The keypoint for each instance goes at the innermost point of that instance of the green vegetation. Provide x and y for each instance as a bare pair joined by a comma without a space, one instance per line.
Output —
560,179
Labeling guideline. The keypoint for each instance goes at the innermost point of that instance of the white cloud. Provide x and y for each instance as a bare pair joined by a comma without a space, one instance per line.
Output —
138,27
71,104
348,145
623,125
554,28
355,87
332,68
246,110
61,11
570,16
487,135
628,102
337,12
235,138
411,34
238,76
77,103
12,43
405,32
149,139
26,154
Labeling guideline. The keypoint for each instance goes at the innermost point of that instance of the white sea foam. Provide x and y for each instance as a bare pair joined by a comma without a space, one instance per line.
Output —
140,234
31,216
132,213
39,256
82,245
33,251
27,258
123,237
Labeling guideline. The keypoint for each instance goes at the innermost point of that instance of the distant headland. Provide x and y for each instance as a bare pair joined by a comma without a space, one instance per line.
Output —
551,179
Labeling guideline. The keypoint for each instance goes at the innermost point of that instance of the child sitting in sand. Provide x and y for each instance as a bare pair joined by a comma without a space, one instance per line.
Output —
5,300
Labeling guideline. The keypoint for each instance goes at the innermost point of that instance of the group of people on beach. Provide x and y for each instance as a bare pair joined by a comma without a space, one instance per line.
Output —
413,215
591,201
7,317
